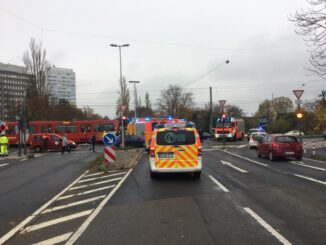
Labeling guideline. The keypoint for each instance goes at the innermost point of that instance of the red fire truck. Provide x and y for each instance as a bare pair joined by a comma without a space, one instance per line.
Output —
234,129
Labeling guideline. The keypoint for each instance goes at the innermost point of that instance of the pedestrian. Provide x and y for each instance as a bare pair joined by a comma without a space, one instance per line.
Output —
65,145
93,142
103,134
45,139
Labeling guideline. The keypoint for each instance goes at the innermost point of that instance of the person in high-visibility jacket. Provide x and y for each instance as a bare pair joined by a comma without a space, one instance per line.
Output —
4,145
104,133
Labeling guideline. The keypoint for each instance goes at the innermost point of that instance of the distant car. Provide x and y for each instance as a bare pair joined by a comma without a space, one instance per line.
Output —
253,140
324,134
131,140
254,130
279,145
295,133
54,143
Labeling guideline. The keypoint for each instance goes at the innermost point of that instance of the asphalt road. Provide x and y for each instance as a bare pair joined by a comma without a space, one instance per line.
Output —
240,199
26,184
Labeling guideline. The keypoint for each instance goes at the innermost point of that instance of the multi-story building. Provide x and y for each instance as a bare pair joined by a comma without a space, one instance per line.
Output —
62,84
14,82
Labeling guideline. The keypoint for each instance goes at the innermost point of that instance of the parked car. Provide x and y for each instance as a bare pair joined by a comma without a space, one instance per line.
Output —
279,145
54,142
295,133
254,137
131,140
324,134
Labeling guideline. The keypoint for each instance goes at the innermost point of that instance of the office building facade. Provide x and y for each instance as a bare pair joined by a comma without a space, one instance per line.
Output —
14,82
62,84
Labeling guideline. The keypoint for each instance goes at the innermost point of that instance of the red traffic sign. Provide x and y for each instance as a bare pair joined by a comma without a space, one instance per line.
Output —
109,154
222,102
298,93
123,107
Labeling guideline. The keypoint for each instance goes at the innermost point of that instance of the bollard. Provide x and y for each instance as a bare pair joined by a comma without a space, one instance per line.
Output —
313,148
304,147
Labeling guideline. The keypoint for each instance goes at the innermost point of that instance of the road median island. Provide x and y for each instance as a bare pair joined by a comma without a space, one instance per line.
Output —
126,159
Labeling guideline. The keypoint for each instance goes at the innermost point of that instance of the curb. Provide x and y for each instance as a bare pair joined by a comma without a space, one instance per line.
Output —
134,162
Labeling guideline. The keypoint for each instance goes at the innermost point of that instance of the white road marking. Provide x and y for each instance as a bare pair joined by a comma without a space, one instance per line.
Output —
307,166
24,159
208,149
86,192
49,210
99,173
248,159
218,183
56,221
269,228
4,164
101,177
309,178
55,240
83,227
234,167
314,160
241,146
21,225
98,183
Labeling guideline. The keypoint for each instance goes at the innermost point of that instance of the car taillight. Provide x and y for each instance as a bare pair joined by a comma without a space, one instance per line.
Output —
152,152
199,152
275,146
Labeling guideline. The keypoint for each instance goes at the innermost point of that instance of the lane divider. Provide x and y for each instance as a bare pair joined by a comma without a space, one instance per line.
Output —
84,226
307,166
245,158
269,228
219,184
94,184
101,177
234,167
49,210
56,221
311,179
4,164
22,224
86,192
55,240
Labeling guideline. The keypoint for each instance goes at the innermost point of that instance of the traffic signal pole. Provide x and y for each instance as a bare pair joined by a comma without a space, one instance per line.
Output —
223,120
211,111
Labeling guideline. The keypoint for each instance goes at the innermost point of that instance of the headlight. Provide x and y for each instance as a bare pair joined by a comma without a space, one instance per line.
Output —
74,143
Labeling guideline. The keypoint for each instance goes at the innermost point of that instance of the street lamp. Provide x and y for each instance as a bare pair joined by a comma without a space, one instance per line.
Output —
122,127
135,96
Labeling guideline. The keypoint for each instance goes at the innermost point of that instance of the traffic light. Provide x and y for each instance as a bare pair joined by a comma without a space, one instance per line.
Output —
299,115
223,115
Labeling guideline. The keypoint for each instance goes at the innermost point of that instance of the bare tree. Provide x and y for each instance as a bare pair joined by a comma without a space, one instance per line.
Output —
175,101
148,103
311,24
124,95
37,96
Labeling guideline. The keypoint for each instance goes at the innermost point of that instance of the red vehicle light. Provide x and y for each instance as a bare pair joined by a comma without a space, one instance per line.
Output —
275,146
199,152
152,152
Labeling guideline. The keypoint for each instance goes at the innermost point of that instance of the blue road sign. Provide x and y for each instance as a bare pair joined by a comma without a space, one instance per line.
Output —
109,139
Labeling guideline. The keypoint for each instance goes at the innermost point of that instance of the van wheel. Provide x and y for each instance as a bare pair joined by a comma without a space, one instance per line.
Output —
38,149
153,175
197,175
271,157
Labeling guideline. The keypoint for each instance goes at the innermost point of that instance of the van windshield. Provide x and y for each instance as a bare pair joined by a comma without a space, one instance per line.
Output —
180,137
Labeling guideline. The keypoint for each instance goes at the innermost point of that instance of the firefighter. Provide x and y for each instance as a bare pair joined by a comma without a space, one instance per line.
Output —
104,133
5,145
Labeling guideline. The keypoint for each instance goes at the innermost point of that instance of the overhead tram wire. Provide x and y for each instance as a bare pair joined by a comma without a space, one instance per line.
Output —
96,35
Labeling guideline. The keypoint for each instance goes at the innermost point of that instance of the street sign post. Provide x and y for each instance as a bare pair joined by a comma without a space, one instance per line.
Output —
222,103
123,107
298,93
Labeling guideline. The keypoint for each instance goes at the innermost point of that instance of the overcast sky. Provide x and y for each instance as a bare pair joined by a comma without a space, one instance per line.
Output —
182,42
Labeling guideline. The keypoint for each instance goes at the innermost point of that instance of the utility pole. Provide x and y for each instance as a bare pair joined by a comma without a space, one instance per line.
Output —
211,110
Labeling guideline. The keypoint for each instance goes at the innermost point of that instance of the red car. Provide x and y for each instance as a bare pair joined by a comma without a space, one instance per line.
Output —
279,145
54,142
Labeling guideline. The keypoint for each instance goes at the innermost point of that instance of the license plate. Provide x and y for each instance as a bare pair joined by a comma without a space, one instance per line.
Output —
165,155
289,152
